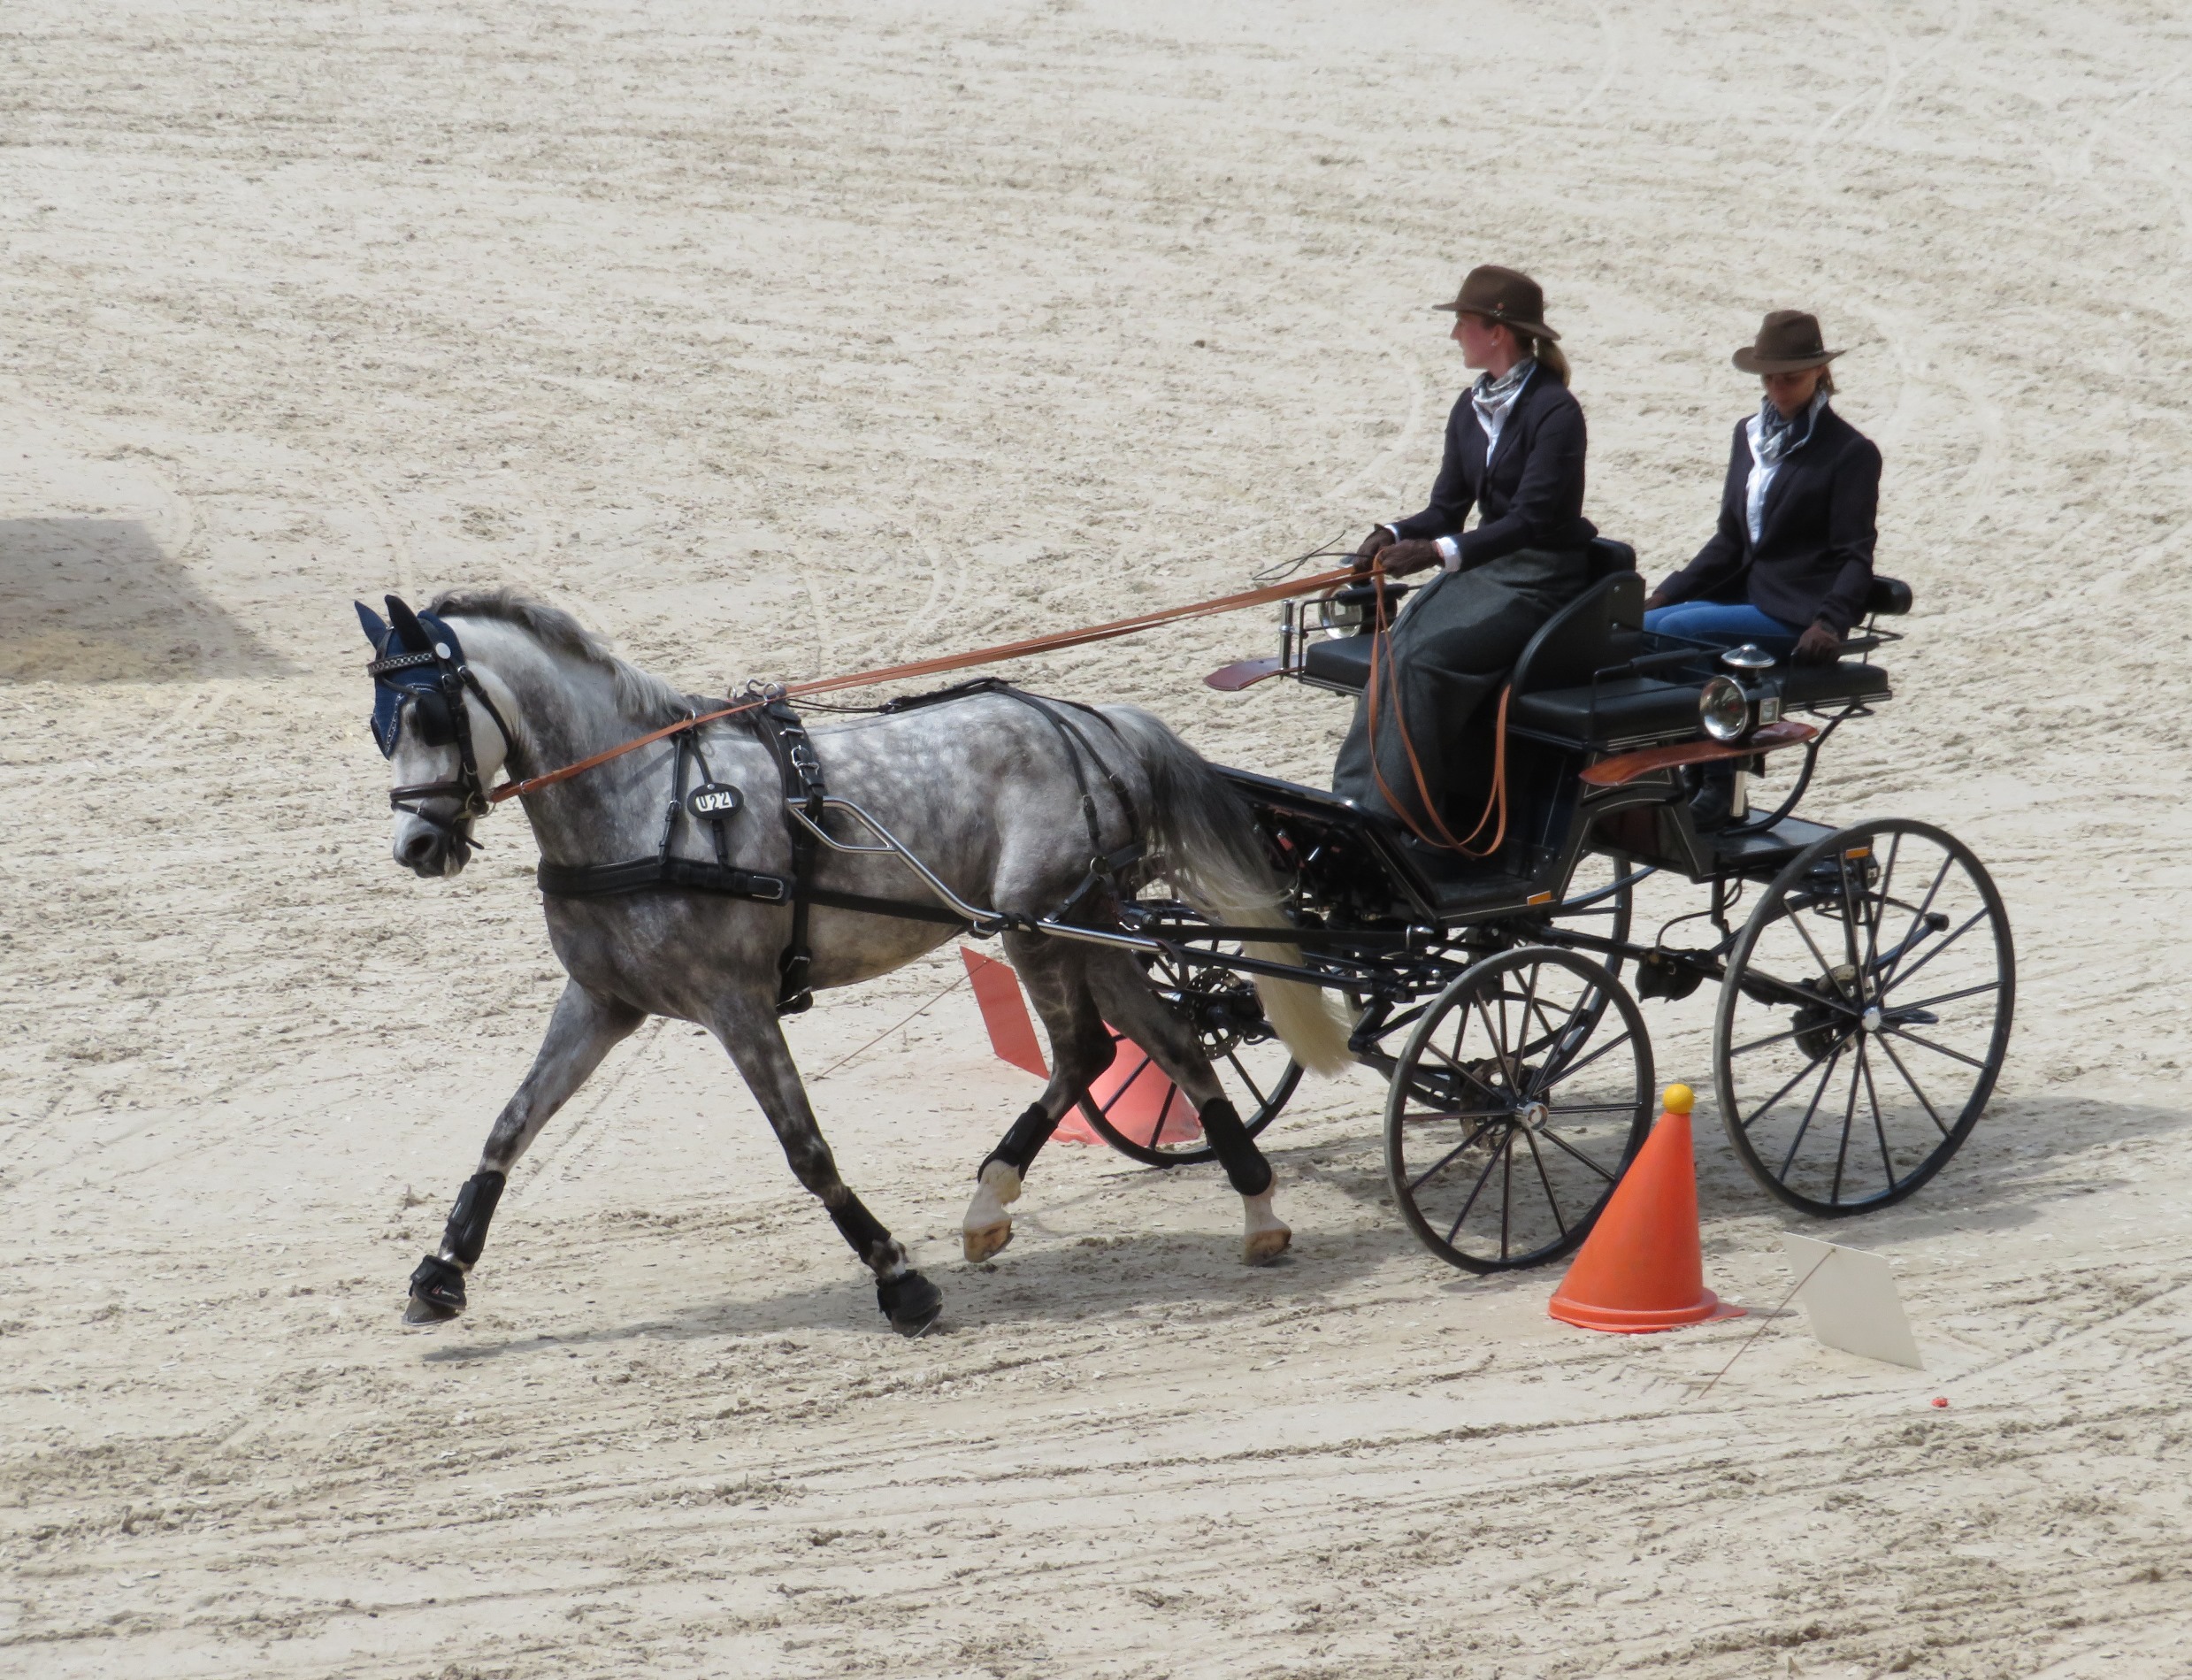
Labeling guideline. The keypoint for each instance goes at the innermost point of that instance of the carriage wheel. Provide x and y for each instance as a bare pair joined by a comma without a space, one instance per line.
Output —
1142,1104
1865,1017
1517,1102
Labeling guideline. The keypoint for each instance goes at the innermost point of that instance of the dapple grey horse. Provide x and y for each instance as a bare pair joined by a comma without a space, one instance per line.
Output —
988,790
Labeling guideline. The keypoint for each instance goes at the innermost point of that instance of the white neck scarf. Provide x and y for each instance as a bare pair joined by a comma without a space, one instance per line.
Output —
1493,398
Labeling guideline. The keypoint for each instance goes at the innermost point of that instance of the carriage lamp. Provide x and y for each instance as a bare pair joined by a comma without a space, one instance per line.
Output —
1747,659
1724,709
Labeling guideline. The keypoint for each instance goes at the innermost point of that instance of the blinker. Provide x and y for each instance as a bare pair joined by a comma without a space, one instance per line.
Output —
408,633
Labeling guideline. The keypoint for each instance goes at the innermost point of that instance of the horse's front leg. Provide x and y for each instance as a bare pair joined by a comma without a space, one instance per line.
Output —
749,1030
584,1029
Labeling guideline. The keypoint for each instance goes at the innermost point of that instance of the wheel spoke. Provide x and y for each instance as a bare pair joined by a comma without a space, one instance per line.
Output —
1164,1112
1529,1004
1801,1073
1123,1087
1445,1161
1850,906
1938,1049
1879,1128
1849,1118
1255,1090
1881,901
1507,1190
1826,1073
1918,916
1590,1107
1559,1142
1574,1068
1552,1200
1457,1114
1498,1040
1977,916
1794,918
1759,1044
1454,1229
1464,1072
1920,1096
1951,997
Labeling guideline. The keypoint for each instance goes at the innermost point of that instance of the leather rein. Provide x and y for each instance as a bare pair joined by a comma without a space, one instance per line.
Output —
776,692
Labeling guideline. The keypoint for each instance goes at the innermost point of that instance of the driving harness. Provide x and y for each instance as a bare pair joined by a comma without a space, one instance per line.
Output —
779,728
420,665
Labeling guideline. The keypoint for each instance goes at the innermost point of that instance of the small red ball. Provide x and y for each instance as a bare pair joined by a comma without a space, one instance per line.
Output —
1937,1400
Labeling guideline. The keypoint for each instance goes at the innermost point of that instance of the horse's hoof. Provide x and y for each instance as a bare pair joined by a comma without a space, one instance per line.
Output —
990,1240
1266,1236
424,1312
437,1293
911,1301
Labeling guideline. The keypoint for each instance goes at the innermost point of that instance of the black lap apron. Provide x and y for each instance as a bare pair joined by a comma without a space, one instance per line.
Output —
1451,648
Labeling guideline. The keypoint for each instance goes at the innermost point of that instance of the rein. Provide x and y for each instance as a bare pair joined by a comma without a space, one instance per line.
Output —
775,692
1496,802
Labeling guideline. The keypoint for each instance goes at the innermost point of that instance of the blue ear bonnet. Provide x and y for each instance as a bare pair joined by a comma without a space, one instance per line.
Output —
419,684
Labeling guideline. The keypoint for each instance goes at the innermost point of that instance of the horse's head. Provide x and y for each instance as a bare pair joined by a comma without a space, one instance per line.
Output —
441,733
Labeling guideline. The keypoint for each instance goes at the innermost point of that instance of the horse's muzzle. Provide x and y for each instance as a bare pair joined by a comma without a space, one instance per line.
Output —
432,854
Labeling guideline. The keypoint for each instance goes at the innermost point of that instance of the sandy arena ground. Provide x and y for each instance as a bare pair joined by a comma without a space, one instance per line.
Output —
776,342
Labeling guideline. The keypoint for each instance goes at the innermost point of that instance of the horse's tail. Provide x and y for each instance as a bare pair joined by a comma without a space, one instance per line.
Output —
1201,837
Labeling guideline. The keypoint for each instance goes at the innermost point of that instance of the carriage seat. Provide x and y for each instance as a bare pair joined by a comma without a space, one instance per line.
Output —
1887,598
1344,661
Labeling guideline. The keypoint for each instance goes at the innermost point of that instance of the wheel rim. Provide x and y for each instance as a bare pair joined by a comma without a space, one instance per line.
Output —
1865,1017
1253,1065
1517,1103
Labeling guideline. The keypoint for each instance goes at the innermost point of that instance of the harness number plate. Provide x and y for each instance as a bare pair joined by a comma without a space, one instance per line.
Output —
714,800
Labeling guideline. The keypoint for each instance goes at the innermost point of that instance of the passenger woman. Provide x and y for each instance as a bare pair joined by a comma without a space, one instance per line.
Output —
1792,561
1514,450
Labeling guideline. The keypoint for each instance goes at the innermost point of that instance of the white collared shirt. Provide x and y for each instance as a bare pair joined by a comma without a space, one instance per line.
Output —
1762,470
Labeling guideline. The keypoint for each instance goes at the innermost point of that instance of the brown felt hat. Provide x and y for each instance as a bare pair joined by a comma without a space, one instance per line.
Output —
1505,297
1787,341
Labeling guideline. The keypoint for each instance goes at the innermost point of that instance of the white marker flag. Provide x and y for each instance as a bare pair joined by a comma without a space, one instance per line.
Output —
1852,1300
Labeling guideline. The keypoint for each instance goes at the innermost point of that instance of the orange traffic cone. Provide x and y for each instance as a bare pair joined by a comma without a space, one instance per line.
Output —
1641,1268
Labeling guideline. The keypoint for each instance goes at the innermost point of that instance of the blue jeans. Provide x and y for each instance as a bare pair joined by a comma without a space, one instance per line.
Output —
1729,625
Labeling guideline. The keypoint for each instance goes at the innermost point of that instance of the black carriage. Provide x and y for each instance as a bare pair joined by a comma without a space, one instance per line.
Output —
1865,976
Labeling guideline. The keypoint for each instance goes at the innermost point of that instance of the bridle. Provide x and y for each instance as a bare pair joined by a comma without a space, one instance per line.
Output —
434,697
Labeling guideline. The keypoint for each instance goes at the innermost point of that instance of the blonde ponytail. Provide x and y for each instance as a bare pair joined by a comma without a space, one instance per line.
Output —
1548,355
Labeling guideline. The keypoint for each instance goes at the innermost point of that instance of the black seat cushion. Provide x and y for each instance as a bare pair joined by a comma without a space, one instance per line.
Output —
1806,686
1628,708
1342,660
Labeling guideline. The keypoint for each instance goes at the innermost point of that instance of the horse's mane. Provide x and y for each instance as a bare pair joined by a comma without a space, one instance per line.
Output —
648,699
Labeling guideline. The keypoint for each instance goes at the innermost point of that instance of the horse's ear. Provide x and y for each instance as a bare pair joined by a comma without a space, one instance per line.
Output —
407,626
375,626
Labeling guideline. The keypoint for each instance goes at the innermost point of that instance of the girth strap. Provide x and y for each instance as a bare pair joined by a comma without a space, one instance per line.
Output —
643,874
780,730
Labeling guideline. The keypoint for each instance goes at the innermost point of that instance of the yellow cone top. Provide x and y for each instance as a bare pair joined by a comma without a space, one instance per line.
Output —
1680,1099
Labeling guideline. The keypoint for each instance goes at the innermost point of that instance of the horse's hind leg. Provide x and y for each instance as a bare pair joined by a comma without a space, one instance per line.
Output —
584,1029
1080,1049
750,1032
1129,1004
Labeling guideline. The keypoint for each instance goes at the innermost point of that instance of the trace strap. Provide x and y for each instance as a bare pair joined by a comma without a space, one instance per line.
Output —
942,662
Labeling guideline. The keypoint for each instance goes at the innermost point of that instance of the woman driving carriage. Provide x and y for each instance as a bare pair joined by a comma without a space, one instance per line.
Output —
1791,564
1515,451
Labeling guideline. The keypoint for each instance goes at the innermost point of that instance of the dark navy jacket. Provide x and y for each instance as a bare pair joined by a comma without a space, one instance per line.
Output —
1531,496
1813,558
